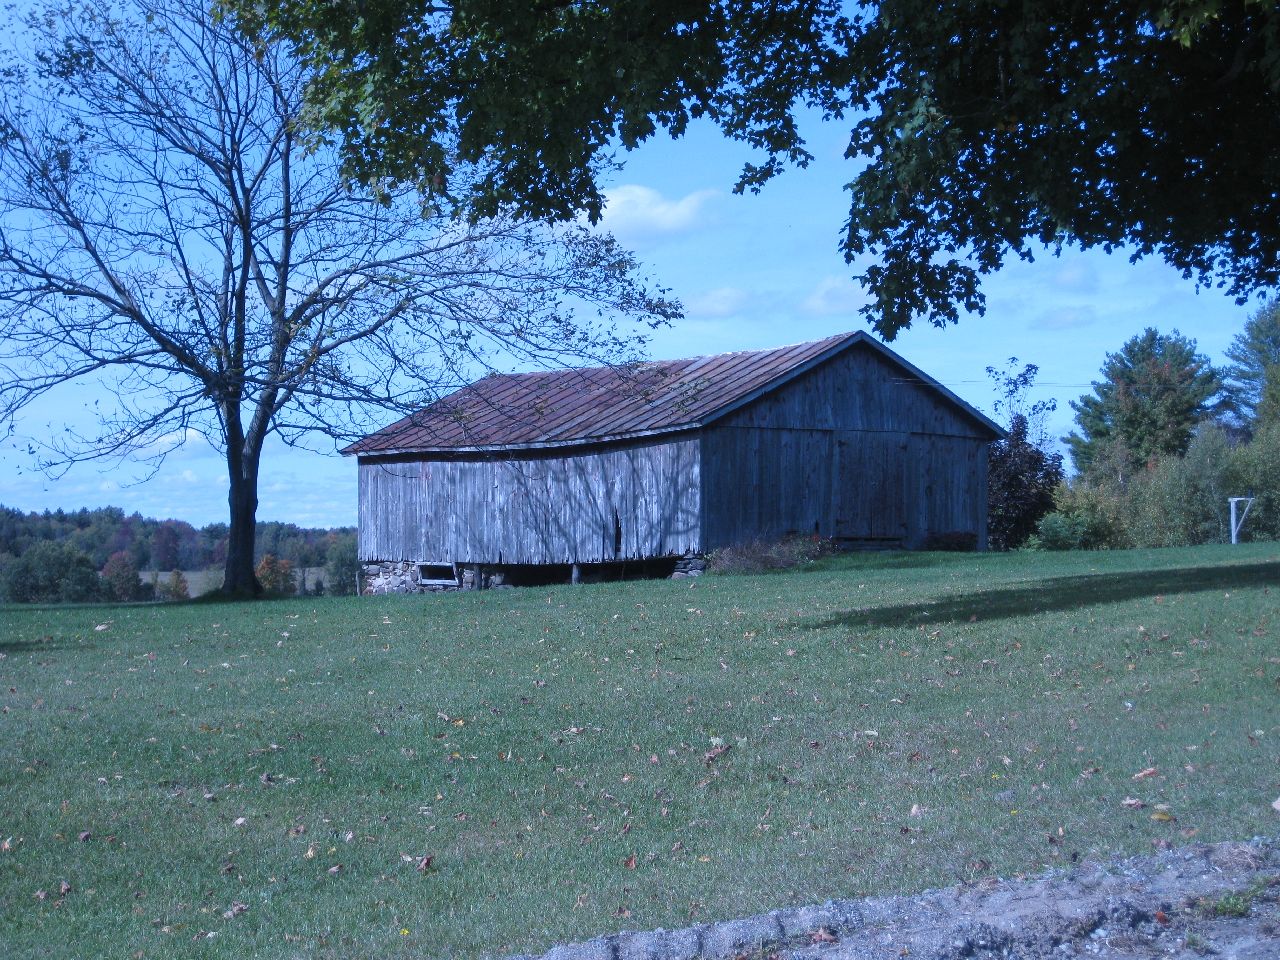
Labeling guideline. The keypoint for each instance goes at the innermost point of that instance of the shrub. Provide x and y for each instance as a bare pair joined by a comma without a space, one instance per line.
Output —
758,556
1021,481
1254,470
174,588
120,578
1182,501
53,572
276,575
1088,516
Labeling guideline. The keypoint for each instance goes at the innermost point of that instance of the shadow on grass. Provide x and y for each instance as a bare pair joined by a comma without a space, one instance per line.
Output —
895,560
10,647
1057,594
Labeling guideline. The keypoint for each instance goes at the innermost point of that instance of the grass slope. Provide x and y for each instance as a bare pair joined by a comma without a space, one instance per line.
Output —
264,779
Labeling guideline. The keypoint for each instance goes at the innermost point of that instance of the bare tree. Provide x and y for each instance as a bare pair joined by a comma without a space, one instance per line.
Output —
170,232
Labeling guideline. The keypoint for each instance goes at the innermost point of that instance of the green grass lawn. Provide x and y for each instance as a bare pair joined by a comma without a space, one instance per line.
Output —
266,779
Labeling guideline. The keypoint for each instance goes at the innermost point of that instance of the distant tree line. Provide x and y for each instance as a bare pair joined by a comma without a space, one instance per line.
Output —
105,554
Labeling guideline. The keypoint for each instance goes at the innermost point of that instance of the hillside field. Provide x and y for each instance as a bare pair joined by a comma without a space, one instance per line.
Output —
490,773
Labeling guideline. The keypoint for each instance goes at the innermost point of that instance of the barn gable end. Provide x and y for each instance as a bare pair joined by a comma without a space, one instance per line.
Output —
860,449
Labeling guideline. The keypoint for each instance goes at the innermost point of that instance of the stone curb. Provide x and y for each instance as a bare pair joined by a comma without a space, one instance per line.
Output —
763,933
1113,891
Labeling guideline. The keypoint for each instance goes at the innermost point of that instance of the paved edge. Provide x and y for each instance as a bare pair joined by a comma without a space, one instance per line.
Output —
921,925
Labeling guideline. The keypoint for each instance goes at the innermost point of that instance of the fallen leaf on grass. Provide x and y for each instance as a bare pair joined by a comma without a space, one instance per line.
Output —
1148,772
64,888
1163,816
424,863
1133,803
335,870
715,752
630,862
236,909
822,935
1275,804
41,895
917,810
84,836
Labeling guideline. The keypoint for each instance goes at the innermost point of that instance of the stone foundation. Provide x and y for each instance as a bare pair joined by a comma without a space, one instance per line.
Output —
405,576
693,565
397,577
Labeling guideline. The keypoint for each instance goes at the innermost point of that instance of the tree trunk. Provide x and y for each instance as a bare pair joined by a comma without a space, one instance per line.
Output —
239,578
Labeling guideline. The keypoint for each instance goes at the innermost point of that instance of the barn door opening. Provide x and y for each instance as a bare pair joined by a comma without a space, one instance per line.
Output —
872,498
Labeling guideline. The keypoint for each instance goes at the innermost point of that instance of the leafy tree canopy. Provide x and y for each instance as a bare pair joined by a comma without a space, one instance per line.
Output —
1154,391
981,128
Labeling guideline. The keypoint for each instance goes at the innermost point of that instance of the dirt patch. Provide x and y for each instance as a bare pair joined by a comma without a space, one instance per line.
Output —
1204,901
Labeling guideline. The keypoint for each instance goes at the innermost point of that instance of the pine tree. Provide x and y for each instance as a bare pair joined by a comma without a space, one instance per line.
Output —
1253,354
1154,391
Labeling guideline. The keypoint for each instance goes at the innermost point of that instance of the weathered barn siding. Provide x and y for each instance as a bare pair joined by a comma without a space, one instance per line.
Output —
856,449
613,504
856,390
764,484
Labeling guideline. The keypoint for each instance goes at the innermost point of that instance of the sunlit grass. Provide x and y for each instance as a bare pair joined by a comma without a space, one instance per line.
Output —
892,722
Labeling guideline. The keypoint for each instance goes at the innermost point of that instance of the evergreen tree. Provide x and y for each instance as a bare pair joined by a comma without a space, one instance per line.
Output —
1154,391
1253,354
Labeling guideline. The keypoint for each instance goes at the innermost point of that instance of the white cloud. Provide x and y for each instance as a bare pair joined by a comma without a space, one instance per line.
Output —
835,296
632,212
174,439
189,476
1076,277
720,302
1065,318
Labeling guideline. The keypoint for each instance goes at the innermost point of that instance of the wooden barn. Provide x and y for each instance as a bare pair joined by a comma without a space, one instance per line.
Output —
841,438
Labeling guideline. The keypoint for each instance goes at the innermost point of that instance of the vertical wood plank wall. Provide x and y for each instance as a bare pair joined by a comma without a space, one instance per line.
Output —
621,503
856,449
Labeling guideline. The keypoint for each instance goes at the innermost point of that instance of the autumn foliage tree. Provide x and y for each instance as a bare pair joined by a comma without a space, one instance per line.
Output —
173,239
276,576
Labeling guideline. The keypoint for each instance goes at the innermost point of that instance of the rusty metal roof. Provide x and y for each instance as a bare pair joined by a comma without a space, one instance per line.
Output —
596,404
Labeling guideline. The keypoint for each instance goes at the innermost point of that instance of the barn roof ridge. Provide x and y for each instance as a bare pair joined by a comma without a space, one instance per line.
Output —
550,409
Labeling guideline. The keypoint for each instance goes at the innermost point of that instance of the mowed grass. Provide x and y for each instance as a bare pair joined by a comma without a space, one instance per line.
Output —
265,779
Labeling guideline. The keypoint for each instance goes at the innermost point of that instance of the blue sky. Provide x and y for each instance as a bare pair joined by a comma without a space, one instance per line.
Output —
753,272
